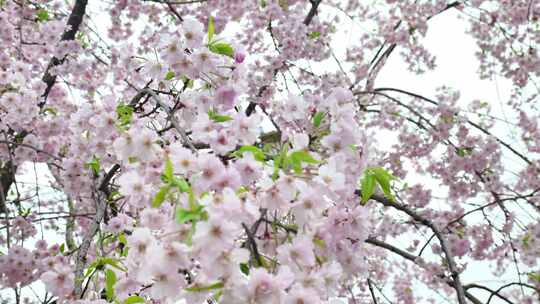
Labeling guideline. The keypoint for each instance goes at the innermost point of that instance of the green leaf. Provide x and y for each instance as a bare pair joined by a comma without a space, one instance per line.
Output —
244,268
368,187
296,165
314,35
376,176
280,161
210,29
42,15
62,248
304,156
112,262
535,276
110,280
464,151
134,299
319,242
94,165
191,199
168,172
194,215
169,75
53,111
241,190
124,113
258,154
182,185
298,157
218,118
221,48
188,83
160,196
383,179
124,248
277,164
216,285
317,119
89,271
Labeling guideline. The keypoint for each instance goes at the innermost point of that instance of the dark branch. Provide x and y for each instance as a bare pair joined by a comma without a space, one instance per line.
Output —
74,21
312,11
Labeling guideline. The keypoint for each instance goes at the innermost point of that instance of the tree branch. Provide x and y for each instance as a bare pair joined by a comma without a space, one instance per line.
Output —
80,263
312,12
444,244
74,21
101,206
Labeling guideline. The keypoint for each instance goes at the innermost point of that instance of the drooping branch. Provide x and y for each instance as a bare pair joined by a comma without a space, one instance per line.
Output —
380,57
392,248
414,259
493,292
7,174
74,21
475,125
309,17
442,240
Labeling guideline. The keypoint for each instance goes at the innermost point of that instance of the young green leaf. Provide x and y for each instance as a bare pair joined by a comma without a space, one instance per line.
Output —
218,118
169,75
94,165
244,267
464,151
133,300
123,245
368,187
53,111
181,184
42,15
168,172
186,215
304,156
258,154
112,262
277,165
110,281
317,119
216,285
124,114
296,159
314,35
221,48
383,179
160,196
210,29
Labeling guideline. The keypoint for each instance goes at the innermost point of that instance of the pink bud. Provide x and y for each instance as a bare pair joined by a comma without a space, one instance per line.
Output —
239,55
